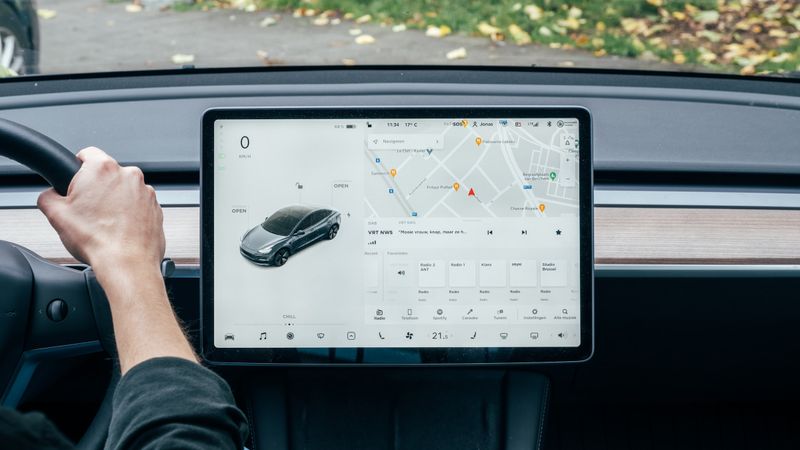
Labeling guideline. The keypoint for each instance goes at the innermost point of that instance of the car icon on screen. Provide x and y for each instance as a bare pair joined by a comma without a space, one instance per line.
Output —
287,231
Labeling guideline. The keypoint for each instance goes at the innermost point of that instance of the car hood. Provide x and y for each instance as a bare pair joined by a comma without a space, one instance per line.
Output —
258,237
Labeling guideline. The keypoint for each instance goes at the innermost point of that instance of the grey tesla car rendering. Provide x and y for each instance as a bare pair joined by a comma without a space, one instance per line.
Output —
286,232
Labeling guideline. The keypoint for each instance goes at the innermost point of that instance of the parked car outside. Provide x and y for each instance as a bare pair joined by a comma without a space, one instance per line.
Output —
19,38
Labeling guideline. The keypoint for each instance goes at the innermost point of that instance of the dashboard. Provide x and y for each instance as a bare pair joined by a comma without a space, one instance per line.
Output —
410,229
671,197
695,210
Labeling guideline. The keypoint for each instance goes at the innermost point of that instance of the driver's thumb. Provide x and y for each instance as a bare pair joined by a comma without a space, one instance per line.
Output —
50,202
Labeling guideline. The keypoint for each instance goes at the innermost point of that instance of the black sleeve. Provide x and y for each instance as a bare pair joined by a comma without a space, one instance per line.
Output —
171,403
29,431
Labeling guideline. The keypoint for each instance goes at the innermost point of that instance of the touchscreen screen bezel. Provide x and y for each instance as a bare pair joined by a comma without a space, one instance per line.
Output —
397,356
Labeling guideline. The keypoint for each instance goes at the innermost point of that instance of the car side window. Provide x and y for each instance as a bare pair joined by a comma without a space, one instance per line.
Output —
319,215
305,223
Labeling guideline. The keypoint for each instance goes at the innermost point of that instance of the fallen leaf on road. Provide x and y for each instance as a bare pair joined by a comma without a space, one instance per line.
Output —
133,8
304,12
459,53
399,28
354,31
486,29
267,21
520,36
6,73
180,58
438,32
492,31
364,19
263,55
46,13
365,39
321,21
244,5
348,62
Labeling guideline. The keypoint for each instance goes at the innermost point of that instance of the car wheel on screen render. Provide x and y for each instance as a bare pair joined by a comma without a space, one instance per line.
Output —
281,257
333,231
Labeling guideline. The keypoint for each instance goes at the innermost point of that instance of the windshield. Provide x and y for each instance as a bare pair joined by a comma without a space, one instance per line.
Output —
744,37
283,221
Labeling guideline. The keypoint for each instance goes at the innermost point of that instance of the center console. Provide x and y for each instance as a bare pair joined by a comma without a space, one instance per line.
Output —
380,246
396,236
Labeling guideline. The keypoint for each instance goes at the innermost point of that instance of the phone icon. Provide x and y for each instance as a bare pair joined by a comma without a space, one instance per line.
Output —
380,335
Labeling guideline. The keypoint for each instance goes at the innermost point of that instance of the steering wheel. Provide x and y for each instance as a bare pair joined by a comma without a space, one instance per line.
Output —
48,311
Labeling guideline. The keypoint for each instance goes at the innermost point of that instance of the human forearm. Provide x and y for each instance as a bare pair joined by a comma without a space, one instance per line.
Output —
111,220
145,326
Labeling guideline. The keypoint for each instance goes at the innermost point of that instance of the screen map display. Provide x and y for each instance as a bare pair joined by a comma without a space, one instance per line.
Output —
432,232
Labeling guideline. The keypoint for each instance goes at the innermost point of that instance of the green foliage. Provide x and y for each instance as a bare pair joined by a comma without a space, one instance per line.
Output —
726,35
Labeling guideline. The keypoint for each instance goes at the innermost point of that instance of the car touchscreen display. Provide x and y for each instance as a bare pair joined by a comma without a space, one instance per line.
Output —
401,229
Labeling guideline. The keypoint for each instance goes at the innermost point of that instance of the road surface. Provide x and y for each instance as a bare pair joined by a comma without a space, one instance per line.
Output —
97,35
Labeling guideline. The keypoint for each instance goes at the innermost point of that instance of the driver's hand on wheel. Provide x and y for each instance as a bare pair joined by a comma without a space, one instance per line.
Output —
109,214
111,220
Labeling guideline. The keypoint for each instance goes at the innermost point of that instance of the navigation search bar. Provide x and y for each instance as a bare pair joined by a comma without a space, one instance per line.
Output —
404,141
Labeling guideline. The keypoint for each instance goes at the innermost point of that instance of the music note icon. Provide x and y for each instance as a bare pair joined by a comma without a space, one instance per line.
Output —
263,336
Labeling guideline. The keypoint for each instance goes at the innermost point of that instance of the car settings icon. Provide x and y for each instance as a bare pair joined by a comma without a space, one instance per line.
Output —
287,231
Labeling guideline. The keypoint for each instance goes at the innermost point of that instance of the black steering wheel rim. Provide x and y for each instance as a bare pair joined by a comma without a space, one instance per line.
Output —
39,153
57,165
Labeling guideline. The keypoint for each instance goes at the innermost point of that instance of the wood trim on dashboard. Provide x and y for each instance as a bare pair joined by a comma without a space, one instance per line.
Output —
622,235
696,236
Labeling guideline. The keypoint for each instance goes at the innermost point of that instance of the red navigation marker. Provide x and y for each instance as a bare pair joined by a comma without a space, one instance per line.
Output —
471,192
